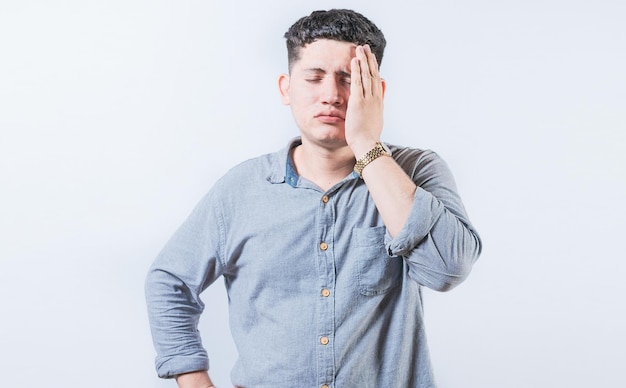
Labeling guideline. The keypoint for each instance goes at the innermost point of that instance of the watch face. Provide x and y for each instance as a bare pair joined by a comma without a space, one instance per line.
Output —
385,148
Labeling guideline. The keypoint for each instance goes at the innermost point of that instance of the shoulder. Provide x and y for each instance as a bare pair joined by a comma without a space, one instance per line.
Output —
244,173
417,161
251,175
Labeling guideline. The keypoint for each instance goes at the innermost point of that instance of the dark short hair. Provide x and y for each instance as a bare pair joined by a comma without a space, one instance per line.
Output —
336,24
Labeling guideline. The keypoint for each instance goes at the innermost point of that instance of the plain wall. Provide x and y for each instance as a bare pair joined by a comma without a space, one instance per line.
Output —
117,116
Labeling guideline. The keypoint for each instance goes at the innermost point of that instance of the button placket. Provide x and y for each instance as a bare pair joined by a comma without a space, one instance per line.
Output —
326,319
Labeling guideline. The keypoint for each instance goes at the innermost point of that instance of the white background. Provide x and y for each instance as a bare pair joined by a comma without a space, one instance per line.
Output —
117,116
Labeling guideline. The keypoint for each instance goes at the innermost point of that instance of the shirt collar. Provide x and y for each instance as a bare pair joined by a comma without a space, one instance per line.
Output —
283,169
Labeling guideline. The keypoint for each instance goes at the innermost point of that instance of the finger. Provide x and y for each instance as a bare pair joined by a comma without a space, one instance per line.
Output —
374,73
366,77
356,84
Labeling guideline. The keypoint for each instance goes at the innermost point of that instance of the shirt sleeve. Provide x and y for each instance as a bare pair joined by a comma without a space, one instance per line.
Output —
189,262
438,242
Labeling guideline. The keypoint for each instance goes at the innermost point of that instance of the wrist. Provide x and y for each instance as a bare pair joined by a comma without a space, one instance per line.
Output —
198,379
362,147
374,153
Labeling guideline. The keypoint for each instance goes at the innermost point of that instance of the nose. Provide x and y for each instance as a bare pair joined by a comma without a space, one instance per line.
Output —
332,92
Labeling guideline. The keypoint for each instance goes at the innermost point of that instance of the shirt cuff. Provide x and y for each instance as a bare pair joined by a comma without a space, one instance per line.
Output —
174,366
424,213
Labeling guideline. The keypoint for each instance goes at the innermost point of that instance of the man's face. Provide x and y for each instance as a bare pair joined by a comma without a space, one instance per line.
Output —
318,90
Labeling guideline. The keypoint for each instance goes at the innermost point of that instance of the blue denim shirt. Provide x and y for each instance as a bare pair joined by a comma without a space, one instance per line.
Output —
319,293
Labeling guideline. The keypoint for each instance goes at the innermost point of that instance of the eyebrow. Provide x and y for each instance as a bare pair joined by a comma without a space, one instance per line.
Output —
318,70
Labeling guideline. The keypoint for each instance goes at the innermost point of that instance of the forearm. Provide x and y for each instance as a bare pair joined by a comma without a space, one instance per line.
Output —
174,312
439,246
392,191
437,240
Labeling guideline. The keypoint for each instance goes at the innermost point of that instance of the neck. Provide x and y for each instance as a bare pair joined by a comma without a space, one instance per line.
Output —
323,166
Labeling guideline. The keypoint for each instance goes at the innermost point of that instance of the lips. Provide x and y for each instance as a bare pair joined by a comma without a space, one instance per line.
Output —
330,117
330,114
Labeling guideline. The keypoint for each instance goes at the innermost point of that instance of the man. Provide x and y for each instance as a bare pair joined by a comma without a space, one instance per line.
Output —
323,246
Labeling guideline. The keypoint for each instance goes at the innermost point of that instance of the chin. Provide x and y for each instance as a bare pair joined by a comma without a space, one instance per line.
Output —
330,137
332,134
332,143
324,135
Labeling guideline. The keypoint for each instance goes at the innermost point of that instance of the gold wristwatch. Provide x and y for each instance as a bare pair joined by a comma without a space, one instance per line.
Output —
379,150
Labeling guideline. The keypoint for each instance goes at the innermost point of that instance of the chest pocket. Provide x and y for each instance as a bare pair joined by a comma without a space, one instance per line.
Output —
377,272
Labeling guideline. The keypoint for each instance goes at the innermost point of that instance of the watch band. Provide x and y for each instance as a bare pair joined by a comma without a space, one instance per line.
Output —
371,155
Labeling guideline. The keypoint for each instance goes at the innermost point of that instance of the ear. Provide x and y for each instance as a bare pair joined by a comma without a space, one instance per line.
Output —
283,88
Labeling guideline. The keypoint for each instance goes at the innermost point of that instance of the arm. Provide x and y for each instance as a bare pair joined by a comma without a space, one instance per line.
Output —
390,187
438,242
187,264
420,208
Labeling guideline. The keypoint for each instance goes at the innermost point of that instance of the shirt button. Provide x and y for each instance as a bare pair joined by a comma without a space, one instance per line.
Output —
325,199
324,340
325,293
323,246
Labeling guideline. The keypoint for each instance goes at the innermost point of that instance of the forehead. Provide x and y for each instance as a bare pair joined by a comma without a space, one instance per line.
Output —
326,54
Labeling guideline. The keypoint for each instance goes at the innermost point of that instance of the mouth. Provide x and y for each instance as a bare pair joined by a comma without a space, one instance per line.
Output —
330,117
